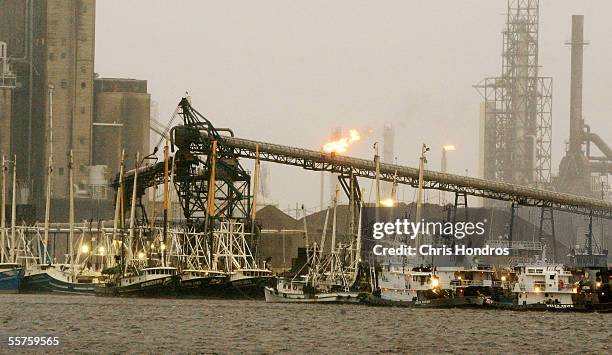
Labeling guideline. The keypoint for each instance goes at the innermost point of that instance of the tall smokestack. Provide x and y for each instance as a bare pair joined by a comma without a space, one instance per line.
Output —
576,122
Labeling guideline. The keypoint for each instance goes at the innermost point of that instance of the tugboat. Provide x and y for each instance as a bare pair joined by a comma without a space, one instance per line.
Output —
474,284
11,275
409,287
542,286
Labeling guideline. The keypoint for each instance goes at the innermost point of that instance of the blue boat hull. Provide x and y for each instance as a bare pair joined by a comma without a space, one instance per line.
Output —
44,283
10,280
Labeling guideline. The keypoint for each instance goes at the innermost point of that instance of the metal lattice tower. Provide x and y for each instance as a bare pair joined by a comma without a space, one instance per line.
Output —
518,105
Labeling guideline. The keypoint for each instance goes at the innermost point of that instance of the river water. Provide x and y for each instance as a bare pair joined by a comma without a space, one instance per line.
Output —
113,325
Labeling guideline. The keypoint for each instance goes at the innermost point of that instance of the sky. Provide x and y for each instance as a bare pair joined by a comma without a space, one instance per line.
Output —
290,72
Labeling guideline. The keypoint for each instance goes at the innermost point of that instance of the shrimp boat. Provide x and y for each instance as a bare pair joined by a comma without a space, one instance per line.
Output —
328,278
321,284
245,279
11,275
301,291
146,282
247,283
59,278
201,283
75,276
220,265
141,273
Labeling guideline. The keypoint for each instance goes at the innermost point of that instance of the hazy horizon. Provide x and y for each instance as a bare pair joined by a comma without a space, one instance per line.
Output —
289,73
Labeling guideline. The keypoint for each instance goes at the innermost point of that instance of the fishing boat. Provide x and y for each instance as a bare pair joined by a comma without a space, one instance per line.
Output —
11,275
162,281
202,283
59,278
247,283
323,278
76,275
288,290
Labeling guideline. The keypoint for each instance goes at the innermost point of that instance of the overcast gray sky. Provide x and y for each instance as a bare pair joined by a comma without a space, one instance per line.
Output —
288,72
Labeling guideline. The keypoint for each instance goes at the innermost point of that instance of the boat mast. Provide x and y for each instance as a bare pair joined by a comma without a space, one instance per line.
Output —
422,162
324,234
14,210
133,209
165,236
49,177
71,216
210,210
170,215
333,236
118,197
306,234
255,190
3,217
357,259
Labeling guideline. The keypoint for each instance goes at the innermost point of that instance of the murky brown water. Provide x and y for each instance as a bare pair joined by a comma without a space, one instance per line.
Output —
111,325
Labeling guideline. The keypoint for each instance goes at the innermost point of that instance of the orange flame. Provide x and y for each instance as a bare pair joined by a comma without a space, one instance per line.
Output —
341,144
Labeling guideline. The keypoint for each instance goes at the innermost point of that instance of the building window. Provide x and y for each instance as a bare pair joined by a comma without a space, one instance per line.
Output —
83,85
64,84
83,70
63,55
81,140
61,171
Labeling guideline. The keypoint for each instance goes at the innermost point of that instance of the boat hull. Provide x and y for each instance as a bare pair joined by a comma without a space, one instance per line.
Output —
202,287
374,300
43,282
539,307
275,296
246,288
10,280
161,287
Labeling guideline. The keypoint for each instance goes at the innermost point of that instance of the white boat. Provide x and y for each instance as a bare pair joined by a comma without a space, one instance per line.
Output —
299,291
546,284
407,284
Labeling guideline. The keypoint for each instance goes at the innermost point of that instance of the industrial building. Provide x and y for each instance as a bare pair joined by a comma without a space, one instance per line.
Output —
516,130
57,104
516,116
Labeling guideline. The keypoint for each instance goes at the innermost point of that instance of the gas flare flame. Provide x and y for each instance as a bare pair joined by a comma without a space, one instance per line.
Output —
342,144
